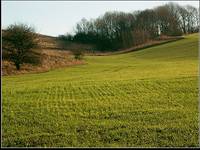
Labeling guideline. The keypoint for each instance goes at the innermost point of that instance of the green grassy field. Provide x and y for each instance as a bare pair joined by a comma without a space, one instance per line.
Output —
147,98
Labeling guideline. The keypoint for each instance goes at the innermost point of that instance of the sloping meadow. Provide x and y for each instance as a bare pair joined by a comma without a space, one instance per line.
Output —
147,98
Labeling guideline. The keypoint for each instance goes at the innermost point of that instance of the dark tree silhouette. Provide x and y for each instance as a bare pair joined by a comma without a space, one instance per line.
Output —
115,30
18,42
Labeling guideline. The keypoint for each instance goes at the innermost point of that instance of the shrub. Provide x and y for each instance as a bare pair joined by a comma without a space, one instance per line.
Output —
78,54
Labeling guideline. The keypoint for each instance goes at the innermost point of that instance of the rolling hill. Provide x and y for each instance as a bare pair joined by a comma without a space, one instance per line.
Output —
52,55
146,98
55,53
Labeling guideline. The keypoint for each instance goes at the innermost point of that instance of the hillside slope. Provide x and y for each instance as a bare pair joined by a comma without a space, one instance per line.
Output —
56,53
147,98
52,56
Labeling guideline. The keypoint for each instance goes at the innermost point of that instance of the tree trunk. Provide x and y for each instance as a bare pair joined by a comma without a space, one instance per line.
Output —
17,66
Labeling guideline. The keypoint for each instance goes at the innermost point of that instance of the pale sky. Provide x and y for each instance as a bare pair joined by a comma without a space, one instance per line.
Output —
59,17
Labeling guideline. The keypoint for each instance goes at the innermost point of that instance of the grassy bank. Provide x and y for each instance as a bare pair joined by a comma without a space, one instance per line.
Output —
147,98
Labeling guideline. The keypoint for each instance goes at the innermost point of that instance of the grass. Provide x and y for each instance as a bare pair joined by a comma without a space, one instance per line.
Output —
147,98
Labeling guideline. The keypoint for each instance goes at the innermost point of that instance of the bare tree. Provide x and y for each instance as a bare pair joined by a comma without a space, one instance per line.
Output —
18,42
183,17
191,18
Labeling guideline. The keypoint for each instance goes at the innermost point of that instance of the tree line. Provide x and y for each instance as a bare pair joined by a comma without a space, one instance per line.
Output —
116,30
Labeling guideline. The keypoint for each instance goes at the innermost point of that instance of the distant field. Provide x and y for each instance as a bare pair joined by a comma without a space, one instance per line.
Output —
147,98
